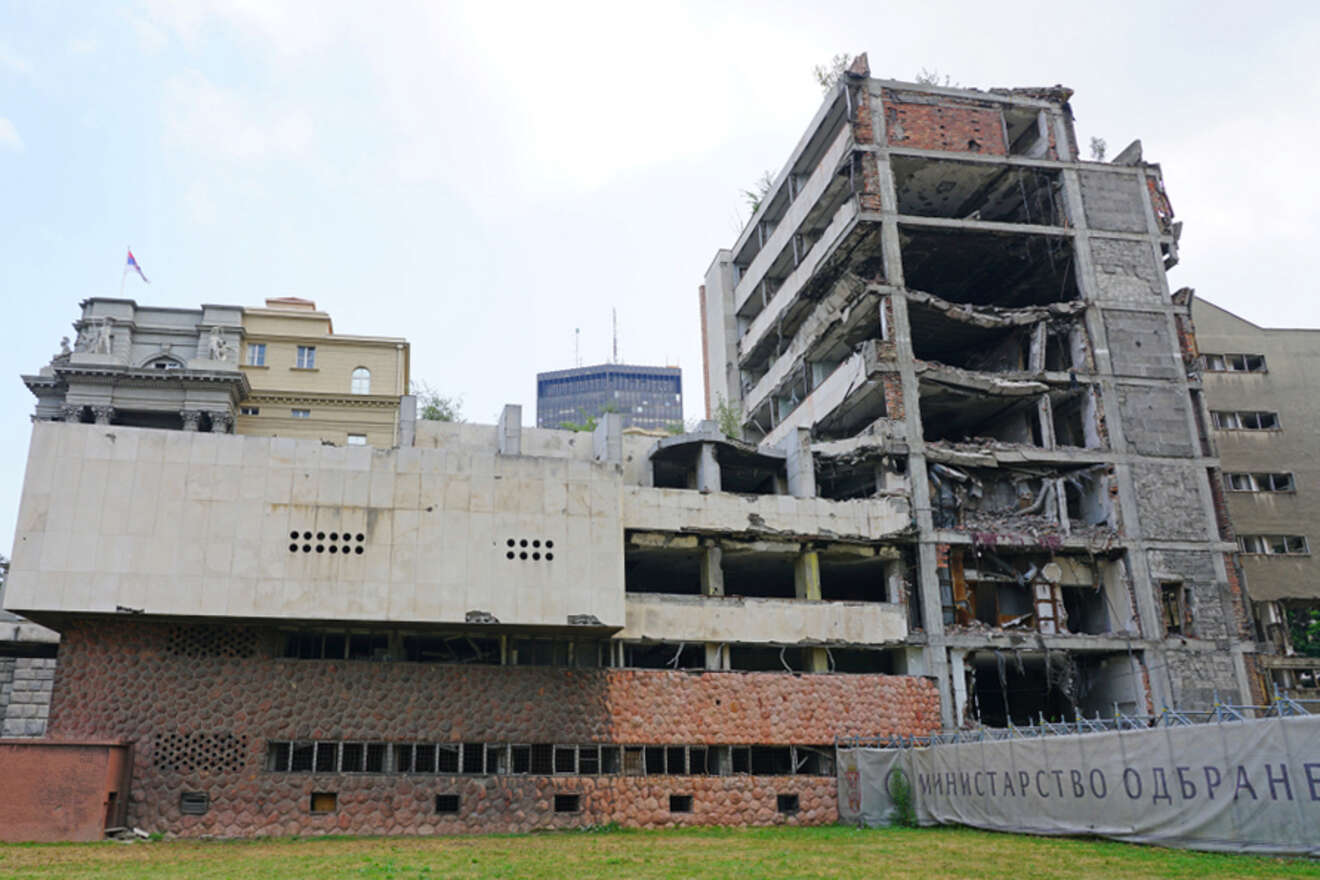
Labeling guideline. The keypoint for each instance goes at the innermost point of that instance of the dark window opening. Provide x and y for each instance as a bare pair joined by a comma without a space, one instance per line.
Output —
845,577
589,760
670,569
327,757
665,655
565,759
451,649
760,574
353,755
543,759
1173,602
655,761
676,761
541,652
277,756
772,760
473,754
1086,610
680,803
303,757
786,803
741,759
698,764
1070,420
1009,270
815,761
610,759
446,803
841,481
767,658
522,759
568,803
956,415
862,661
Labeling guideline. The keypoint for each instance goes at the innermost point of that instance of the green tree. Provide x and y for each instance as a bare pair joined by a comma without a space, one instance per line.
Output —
436,407
729,417
828,74
933,77
754,196
1304,628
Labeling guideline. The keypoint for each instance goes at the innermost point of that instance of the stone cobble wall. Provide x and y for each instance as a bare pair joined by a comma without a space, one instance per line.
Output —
121,680
25,692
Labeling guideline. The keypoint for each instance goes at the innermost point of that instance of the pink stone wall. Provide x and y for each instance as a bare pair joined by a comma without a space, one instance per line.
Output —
154,683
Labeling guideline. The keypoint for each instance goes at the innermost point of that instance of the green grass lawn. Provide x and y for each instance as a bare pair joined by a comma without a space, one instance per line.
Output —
832,851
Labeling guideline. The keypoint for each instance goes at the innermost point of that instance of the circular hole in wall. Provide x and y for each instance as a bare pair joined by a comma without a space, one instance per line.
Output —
522,555
334,536
536,543
307,548
334,549
511,542
360,536
549,544
320,548
346,548
509,555
523,542
549,556
293,535
320,536
536,556
307,536
358,551
293,548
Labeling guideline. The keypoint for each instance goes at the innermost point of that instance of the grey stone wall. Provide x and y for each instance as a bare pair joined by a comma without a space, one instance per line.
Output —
25,697
1140,344
1169,502
1155,420
1113,202
1126,271
1206,594
1198,677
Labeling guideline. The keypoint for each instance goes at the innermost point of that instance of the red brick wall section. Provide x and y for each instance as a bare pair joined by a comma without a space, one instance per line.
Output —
58,791
959,128
120,680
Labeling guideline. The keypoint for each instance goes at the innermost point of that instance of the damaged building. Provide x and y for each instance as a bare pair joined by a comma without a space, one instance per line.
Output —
940,303
951,472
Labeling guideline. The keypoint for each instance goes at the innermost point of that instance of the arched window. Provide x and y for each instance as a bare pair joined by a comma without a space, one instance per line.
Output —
362,381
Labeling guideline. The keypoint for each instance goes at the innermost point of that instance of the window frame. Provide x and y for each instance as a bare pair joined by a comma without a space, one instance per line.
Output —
305,359
256,354
363,375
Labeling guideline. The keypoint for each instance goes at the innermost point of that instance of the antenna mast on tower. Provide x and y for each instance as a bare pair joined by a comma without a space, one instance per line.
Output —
577,346
614,318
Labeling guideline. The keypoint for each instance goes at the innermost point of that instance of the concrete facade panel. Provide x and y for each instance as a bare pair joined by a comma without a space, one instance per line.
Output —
1113,202
1155,420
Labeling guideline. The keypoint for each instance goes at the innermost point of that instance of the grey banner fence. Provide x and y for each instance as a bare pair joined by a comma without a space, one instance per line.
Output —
1224,783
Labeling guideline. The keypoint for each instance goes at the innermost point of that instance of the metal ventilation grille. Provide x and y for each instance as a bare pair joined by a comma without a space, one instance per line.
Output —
212,641
199,752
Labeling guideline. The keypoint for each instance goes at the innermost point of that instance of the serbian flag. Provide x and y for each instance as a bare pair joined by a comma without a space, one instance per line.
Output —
133,264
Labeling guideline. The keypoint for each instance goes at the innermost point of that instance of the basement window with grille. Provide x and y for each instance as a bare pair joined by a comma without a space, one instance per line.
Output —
568,803
446,803
194,803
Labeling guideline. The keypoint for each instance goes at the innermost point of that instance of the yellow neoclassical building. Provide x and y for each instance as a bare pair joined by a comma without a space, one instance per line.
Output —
308,381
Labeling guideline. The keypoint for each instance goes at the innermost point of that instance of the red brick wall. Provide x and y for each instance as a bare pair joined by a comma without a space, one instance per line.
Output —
960,128
60,791
120,679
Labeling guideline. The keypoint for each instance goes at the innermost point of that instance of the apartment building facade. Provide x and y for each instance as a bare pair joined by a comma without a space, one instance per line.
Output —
943,302
308,381
1261,398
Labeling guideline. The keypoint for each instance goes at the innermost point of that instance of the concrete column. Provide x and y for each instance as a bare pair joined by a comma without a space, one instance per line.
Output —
818,660
806,575
800,464
958,679
717,655
607,439
407,435
894,581
712,570
510,430
708,469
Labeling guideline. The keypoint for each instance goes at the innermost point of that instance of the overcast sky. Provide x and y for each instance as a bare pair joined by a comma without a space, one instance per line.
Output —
485,178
